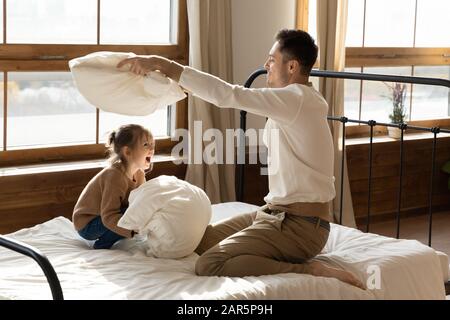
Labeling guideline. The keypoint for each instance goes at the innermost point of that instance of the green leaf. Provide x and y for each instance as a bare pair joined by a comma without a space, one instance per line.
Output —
446,167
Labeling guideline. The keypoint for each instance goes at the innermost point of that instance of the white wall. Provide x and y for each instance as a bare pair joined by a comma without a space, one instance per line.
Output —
254,26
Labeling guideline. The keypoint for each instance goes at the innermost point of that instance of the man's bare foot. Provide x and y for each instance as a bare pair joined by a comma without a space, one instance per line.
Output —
318,268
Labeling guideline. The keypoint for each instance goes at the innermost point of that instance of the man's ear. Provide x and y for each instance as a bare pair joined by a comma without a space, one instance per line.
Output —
294,66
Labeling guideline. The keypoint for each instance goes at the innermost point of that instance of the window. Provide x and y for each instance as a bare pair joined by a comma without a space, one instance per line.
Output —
43,116
402,37
45,108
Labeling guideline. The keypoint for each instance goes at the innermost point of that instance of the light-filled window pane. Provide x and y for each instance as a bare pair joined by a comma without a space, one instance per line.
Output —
389,23
156,122
430,102
135,22
355,20
352,89
45,108
376,101
51,21
312,19
433,23
1,111
1,22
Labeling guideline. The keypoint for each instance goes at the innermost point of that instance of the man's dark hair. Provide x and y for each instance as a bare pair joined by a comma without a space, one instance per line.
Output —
298,45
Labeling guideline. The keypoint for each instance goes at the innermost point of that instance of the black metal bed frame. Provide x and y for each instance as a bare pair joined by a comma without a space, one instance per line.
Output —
50,273
41,259
371,123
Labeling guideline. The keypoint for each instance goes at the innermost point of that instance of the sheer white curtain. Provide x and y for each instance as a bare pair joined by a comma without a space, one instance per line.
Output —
210,51
331,29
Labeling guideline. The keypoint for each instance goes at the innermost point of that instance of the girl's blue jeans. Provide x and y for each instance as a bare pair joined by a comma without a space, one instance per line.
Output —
95,230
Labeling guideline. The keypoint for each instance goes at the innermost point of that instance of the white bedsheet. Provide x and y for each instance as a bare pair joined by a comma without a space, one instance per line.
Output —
408,269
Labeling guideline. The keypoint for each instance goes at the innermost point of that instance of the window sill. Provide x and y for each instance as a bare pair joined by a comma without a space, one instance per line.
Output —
72,166
387,139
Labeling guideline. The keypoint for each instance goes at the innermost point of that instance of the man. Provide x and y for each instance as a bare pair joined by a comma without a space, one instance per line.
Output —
293,227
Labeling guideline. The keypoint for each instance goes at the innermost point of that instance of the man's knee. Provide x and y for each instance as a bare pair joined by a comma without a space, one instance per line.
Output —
205,266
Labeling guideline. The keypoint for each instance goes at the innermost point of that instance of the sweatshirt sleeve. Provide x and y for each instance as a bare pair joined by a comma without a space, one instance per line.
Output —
114,192
280,104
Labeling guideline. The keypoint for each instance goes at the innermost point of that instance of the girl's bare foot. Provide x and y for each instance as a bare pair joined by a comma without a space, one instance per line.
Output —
318,268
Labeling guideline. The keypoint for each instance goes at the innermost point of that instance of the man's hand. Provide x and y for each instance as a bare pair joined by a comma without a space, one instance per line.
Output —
141,65
139,177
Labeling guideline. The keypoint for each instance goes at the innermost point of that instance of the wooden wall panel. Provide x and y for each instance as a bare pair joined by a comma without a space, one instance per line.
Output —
385,177
256,186
29,199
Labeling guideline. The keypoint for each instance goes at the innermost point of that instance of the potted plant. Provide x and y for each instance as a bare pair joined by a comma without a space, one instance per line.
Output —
446,168
398,115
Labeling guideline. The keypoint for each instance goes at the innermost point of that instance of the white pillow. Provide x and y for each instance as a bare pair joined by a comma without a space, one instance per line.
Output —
171,212
117,90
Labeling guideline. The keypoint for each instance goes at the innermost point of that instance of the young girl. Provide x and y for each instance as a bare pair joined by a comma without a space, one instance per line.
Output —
105,198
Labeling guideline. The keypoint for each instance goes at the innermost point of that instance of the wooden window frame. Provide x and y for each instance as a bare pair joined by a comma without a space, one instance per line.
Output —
358,57
55,57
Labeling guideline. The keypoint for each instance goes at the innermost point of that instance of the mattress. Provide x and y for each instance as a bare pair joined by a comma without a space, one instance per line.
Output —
445,266
394,269
223,210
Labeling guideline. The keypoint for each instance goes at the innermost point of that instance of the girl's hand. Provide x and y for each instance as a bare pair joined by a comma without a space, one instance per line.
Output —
139,177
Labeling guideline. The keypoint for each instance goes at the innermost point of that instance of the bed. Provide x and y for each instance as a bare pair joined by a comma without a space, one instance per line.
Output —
395,269
391,268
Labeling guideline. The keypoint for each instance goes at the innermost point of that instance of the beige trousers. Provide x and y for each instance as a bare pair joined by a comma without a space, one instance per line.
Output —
259,243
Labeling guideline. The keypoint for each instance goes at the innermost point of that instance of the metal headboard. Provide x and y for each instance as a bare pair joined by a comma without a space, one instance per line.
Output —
371,123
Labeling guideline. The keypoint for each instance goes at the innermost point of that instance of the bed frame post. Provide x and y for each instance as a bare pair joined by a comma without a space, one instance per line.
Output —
41,259
241,157
241,150
402,127
435,132
344,120
371,123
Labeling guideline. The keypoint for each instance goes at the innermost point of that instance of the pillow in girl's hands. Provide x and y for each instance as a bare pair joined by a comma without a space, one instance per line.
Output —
117,90
171,212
